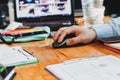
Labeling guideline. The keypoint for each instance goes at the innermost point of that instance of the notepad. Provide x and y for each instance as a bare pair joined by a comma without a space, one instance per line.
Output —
95,68
15,56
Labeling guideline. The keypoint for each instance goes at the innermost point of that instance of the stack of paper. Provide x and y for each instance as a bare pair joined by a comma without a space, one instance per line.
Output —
15,56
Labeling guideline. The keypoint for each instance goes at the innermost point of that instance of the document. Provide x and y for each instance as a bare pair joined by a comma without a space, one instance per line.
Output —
15,56
95,68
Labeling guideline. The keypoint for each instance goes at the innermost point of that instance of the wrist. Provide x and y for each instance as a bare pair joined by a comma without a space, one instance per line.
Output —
94,34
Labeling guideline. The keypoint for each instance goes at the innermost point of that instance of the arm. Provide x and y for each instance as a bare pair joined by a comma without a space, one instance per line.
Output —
85,35
111,28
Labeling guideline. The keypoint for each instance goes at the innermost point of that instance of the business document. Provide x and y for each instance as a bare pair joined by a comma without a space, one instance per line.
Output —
94,68
14,56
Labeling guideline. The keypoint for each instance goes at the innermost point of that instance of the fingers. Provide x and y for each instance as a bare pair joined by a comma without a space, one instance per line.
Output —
83,35
56,37
65,32
73,41
61,33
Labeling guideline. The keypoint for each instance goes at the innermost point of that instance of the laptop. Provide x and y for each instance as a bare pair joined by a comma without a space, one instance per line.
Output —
52,13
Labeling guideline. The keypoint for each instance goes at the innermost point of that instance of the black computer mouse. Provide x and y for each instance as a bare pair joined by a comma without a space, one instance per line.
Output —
62,44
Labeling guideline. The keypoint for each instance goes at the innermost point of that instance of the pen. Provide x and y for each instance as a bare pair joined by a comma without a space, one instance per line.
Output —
12,77
29,52
22,52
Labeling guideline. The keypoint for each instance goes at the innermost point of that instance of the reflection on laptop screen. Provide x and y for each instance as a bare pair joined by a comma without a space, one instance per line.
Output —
43,10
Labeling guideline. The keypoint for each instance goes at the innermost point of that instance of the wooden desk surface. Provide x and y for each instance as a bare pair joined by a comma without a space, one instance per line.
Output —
47,55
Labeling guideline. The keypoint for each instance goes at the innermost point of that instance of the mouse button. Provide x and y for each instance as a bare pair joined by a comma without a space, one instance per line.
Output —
62,43
55,44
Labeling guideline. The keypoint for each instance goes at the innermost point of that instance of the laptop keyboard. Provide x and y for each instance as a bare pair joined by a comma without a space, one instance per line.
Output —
48,23
54,24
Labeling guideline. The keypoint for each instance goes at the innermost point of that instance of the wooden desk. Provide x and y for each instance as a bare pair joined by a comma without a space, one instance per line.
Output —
43,51
47,55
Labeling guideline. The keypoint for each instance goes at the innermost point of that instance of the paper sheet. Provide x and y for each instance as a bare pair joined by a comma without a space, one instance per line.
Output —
100,68
14,56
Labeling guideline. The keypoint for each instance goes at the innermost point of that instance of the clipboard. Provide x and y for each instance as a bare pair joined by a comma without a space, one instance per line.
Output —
15,56
95,68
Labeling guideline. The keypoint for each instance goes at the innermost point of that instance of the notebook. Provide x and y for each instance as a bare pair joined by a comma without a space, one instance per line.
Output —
15,56
111,43
93,68
52,13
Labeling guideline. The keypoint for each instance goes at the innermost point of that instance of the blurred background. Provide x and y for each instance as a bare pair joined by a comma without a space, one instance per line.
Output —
112,10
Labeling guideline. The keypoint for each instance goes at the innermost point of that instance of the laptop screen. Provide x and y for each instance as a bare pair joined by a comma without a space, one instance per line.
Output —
44,11
29,11
39,8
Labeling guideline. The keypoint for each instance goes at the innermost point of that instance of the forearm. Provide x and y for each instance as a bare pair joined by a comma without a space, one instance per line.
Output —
111,28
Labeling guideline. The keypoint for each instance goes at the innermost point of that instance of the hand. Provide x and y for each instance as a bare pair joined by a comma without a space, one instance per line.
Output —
83,35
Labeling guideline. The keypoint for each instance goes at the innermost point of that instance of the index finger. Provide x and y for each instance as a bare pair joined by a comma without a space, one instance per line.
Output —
57,34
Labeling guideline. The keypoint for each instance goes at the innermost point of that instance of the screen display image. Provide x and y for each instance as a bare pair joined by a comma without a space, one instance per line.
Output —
52,13
41,8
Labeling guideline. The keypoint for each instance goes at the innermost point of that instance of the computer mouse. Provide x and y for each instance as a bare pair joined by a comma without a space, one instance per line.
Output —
62,44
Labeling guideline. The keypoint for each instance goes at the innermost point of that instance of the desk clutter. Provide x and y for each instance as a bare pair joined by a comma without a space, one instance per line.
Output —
24,35
10,57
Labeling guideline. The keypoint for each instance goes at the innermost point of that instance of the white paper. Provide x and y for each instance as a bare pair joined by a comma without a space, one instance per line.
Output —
99,68
14,56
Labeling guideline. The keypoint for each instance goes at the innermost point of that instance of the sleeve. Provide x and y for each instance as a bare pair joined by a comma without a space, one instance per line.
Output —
108,29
